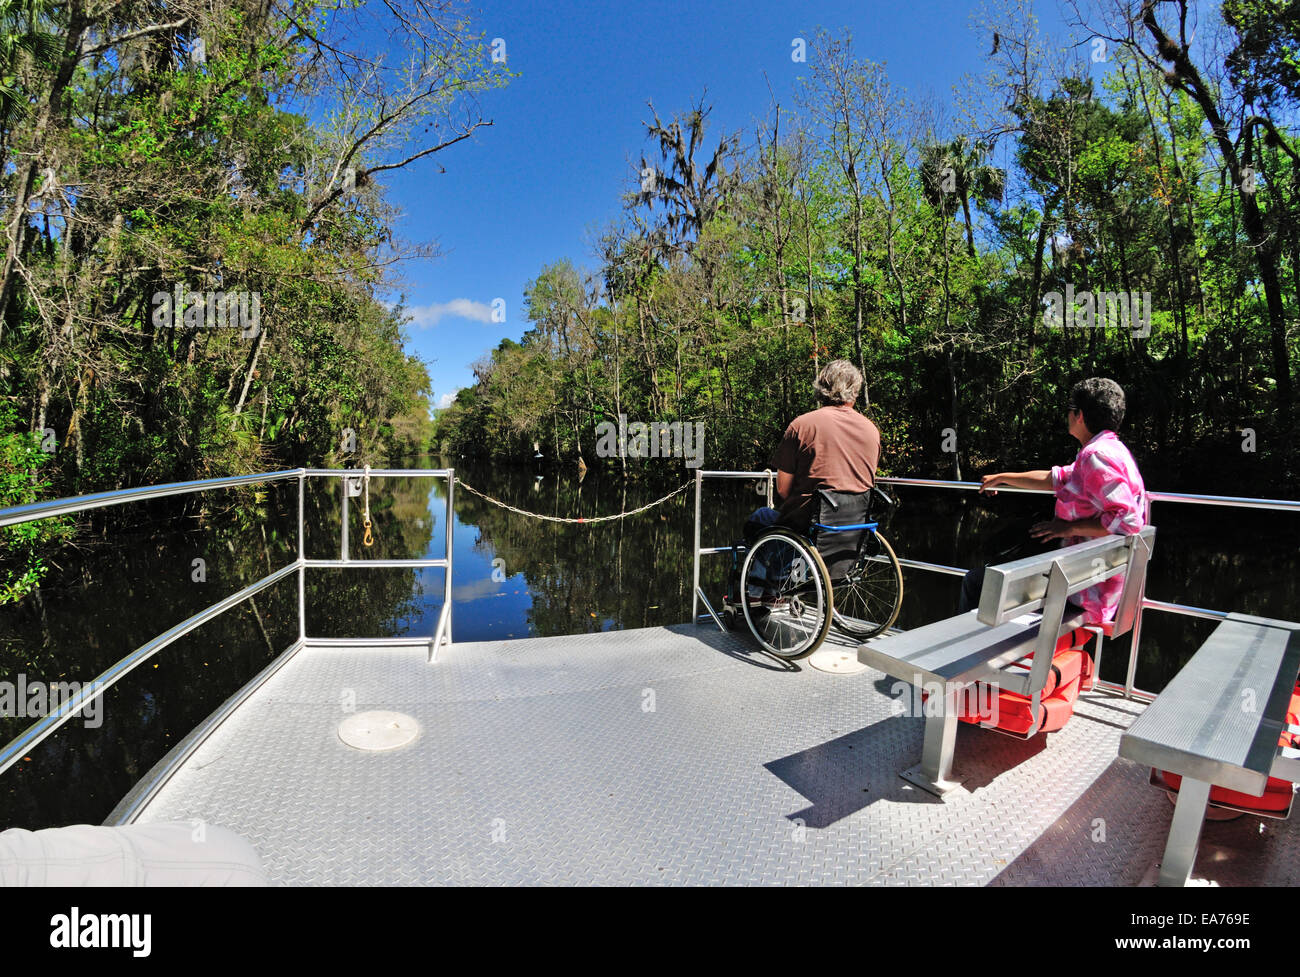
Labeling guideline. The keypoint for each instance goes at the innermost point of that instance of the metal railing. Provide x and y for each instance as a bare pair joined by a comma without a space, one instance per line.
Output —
16,515
1128,689
442,632
41,729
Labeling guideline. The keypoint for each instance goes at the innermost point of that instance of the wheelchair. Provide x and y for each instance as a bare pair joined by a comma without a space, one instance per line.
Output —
791,588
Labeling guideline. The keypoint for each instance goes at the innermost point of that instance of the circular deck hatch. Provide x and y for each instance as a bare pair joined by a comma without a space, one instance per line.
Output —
841,661
378,730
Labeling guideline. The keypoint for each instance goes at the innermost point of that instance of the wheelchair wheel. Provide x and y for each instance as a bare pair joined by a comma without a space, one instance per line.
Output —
785,595
868,597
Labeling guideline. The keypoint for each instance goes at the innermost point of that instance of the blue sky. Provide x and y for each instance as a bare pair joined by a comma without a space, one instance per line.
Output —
539,184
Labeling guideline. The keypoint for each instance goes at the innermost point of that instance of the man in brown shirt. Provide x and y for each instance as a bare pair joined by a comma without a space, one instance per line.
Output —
833,447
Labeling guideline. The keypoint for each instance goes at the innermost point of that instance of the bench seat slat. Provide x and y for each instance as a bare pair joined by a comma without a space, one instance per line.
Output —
1203,725
979,645
956,649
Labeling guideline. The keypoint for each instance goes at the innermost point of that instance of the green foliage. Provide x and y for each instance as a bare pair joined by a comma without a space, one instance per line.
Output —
24,466
24,35
180,173
927,263
1266,60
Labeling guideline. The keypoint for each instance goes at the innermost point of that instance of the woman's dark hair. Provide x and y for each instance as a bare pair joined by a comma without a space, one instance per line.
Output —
1102,403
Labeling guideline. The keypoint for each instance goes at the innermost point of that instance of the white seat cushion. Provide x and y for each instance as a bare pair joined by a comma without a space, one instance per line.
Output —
189,853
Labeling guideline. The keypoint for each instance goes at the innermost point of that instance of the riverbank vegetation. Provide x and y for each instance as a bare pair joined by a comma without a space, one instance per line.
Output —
195,242
194,237
1135,174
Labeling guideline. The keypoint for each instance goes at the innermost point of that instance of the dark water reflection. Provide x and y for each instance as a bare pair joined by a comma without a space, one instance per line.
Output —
514,577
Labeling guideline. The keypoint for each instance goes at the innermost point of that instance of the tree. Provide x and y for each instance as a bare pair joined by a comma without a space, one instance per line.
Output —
1160,43
956,172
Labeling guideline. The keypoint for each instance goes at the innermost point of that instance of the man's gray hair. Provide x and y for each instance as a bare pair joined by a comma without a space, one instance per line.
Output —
838,383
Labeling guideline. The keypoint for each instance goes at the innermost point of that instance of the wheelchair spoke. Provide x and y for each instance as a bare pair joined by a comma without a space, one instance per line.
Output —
868,598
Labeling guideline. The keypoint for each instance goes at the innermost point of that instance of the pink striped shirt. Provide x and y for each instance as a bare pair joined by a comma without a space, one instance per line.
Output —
1102,482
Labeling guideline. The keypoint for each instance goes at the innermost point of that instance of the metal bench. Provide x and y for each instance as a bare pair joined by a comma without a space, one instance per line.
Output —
1023,610
1218,723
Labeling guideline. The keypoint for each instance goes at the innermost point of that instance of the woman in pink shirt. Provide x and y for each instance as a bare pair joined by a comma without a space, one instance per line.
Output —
1100,493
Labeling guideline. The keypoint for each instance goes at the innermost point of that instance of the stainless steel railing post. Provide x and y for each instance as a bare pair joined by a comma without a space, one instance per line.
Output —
695,577
302,562
1135,632
451,524
343,537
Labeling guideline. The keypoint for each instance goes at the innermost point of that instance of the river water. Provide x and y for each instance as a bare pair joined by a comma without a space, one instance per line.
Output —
514,577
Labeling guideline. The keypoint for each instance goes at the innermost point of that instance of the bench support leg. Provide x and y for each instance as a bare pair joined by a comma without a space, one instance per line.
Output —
1100,635
934,774
1184,832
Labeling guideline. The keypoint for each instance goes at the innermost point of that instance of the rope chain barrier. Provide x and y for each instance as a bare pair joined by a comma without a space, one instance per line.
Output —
566,519
369,539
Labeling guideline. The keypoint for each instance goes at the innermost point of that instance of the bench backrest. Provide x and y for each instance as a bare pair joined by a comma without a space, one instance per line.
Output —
1021,586
1044,582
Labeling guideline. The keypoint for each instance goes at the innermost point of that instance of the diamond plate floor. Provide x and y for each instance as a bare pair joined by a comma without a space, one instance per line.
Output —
671,756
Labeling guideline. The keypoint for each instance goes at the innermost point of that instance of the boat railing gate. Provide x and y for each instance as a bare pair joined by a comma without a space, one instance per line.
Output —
1148,604
39,730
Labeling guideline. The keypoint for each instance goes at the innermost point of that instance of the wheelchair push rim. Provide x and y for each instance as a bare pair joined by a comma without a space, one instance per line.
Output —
785,594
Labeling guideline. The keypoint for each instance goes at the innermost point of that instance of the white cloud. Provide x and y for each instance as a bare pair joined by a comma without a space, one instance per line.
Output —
427,316
446,400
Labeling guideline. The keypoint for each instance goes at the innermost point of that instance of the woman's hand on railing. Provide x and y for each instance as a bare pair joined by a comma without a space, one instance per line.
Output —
988,482
1018,480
